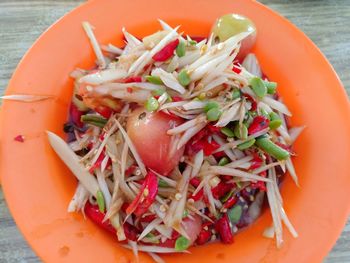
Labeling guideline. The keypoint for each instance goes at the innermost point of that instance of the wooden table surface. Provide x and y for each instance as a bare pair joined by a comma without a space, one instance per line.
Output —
327,23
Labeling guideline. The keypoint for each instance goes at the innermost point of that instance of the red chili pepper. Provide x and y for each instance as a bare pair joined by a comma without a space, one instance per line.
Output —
198,196
219,155
145,197
259,123
147,219
256,162
130,231
197,38
213,129
203,237
168,243
129,90
75,115
195,181
166,52
175,235
132,79
224,229
99,161
130,170
259,185
176,98
93,212
230,202
210,147
225,178
236,68
252,101
221,189
104,111
19,138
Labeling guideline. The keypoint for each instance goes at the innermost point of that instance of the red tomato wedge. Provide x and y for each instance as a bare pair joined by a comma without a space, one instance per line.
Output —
192,227
148,132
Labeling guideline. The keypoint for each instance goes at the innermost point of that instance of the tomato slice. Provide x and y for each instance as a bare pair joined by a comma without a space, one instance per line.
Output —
148,132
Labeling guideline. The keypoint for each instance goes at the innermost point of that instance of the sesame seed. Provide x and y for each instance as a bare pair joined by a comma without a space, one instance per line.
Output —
178,196
138,172
224,210
241,199
248,189
213,237
221,46
234,229
213,231
252,198
205,228
146,192
182,159
245,207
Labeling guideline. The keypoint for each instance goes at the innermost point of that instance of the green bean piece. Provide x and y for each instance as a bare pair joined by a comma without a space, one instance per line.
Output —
158,92
213,114
235,214
210,105
271,148
223,161
181,49
154,79
181,243
271,87
258,87
246,144
152,104
227,131
236,93
162,183
241,132
184,78
100,201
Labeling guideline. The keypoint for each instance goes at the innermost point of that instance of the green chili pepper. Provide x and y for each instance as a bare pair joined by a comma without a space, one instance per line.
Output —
152,104
184,78
269,147
258,87
213,114
181,243
154,80
241,132
181,49
236,93
227,131
246,144
100,201
94,120
162,183
275,121
192,42
235,214
223,161
210,105
271,87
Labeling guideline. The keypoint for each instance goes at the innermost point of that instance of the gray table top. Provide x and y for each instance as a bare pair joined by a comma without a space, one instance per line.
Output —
327,23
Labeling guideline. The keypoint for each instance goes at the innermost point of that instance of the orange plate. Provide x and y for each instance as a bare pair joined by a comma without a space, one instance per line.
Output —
38,186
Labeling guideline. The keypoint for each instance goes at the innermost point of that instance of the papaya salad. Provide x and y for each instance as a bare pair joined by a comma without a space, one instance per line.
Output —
178,140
